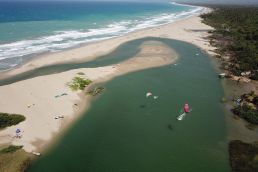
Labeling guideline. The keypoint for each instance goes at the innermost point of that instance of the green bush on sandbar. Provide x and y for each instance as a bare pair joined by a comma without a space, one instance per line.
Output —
79,83
10,119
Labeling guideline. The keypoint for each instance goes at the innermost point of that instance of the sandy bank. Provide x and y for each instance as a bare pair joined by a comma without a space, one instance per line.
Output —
40,125
190,30
40,94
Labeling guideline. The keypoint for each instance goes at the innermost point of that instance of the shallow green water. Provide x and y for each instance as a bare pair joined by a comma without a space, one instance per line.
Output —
123,52
126,132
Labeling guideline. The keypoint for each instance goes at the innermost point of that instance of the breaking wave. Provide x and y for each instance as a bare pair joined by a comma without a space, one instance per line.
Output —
12,54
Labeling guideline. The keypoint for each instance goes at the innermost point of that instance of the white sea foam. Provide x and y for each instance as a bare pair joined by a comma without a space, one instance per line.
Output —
178,4
66,39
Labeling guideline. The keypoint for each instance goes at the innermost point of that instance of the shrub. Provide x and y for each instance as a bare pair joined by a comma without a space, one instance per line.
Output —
10,119
79,83
246,112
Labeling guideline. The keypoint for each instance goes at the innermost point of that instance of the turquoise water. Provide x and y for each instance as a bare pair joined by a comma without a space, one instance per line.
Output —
30,28
125,131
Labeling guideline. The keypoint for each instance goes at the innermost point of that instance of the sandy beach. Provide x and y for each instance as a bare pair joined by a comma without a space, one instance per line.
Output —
39,93
190,30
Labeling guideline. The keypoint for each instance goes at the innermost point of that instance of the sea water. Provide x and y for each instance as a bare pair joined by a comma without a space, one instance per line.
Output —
30,28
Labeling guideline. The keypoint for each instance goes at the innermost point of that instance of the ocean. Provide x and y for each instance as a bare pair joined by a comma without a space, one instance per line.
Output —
31,28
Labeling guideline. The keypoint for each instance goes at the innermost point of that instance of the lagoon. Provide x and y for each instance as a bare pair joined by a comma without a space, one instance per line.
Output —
125,131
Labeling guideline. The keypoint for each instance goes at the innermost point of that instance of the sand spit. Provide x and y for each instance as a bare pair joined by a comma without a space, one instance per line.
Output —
43,99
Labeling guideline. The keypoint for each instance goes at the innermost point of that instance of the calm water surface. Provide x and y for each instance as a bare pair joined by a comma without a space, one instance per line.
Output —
126,132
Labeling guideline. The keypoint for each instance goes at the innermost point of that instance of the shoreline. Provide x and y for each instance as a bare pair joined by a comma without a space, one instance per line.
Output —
31,57
90,51
240,85
136,109
41,127
190,30
85,102
236,127
235,86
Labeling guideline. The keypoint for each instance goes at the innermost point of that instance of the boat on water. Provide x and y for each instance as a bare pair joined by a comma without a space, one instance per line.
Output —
186,108
182,115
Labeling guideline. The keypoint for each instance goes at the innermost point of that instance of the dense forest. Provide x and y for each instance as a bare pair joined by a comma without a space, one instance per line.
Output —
236,36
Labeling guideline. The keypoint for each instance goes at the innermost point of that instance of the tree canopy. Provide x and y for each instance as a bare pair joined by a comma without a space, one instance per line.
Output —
236,30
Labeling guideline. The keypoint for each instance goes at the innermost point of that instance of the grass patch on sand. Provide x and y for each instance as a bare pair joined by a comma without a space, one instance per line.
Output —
79,83
10,149
80,73
95,91
14,159
7,120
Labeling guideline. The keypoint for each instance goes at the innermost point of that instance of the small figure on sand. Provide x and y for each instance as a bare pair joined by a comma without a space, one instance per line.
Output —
58,117
18,133
30,105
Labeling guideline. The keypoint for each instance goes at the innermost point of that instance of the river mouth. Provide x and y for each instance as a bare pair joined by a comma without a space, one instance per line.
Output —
125,131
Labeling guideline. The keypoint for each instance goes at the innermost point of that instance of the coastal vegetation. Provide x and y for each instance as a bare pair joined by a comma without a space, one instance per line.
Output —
236,38
14,159
95,91
10,149
247,108
80,73
243,156
79,83
10,119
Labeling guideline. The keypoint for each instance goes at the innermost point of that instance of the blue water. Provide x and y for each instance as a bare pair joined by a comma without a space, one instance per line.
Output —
29,28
